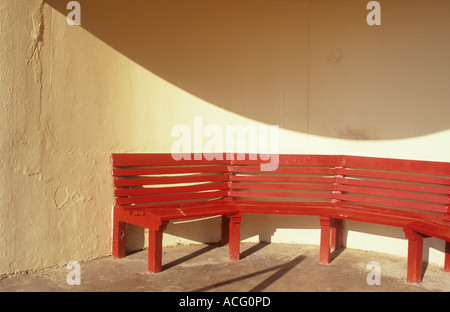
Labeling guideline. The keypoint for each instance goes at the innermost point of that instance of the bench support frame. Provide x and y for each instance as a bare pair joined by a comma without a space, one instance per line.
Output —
119,235
235,236
415,256
330,237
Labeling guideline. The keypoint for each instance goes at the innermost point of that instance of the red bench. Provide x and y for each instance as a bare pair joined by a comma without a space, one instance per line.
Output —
412,195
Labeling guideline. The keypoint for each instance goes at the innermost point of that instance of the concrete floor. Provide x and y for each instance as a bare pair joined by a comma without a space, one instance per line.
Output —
263,267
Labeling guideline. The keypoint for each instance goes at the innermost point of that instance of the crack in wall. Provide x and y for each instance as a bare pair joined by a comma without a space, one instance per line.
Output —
35,57
38,33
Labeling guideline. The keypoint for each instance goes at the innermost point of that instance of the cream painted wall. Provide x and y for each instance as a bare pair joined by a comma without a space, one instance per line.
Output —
119,83
58,130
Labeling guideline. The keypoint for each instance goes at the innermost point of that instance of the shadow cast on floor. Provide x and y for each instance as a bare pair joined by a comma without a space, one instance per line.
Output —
279,271
197,253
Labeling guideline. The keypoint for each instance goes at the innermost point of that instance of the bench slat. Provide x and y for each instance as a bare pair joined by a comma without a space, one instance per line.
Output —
168,170
268,178
395,194
293,160
293,170
390,202
168,180
125,191
205,210
162,206
279,194
424,188
403,165
396,176
167,198
282,186
284,208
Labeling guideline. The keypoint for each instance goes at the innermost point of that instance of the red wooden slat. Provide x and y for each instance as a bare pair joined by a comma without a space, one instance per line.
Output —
390,202
169,189
279,194
171,197
171,211
385,216
293,160
195,212
296,170
284,208
248,158
395,194
168,170
274,186
162,206
405,165
261,178
310,160
168,180
424,188
396,176
383,211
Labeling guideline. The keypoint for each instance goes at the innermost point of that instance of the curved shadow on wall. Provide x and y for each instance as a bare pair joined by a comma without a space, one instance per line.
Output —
307,66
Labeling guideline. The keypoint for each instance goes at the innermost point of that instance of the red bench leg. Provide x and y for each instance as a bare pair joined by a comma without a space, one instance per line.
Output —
415,255
155,236
336,234
447,257
225,230
325,228
235,236
118,244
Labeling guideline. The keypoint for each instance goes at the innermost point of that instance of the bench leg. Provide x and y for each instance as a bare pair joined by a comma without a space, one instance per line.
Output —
325,229
235,236
155,237
118,242
225,226
336,234
415,256
333,227
447,257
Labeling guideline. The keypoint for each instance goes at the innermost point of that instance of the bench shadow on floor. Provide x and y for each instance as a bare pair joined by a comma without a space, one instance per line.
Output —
207,248
278,270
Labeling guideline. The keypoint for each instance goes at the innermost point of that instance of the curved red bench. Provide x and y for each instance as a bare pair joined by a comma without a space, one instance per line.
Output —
152,189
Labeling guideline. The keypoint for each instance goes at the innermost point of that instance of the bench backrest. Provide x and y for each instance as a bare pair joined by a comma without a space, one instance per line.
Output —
394,183
157,179
343,180
347,180
308,178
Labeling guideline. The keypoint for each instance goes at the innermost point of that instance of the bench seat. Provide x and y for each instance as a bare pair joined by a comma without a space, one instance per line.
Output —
432,228
362,213
283,208
183,211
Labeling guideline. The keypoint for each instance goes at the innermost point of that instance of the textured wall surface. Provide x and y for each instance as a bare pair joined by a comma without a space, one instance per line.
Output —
55,203
133,70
